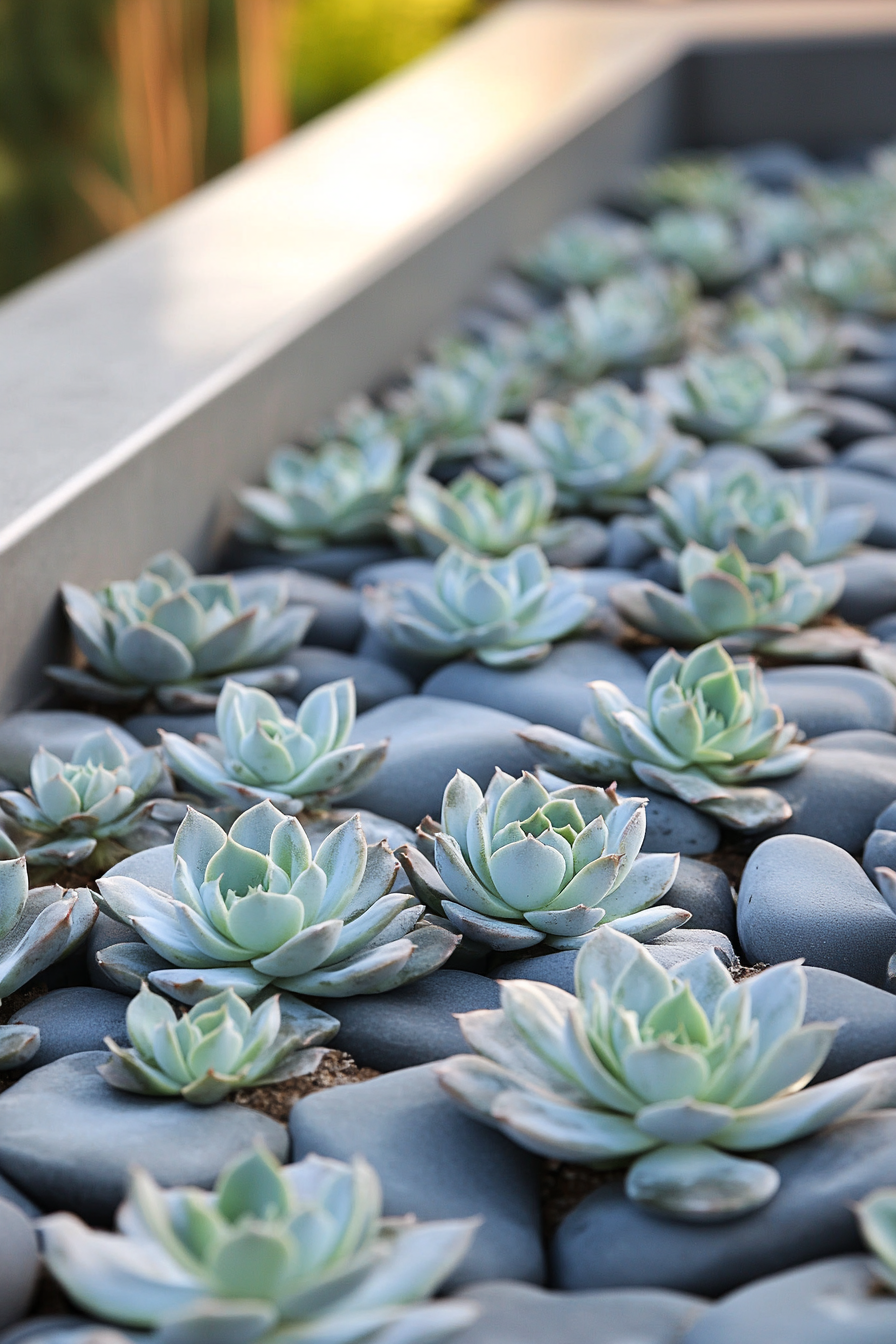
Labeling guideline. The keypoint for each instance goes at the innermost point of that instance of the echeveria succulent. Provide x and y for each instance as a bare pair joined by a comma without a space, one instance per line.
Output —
93,810
782,220
852,203
876,1214
681,1072
696,182
710,243
585,250
337,494
179,635
273,1255
740,397
707,735
605,449
722,594
507,612
215,1048
254,908
260,752
632,320
798,333
764,514
522,865
856,274
449,407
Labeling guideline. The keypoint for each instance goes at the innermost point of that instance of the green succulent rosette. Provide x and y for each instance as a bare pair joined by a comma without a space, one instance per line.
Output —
695,182
585,250
799,333
719,250
707,735
854,274
673,1075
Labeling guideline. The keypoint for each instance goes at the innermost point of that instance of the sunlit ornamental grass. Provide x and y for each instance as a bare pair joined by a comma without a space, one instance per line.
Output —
761,607
260,752
584,250
520,865
299,1254
254,908
93,810
738,398
37,928
338,494
681,1072
179,635
507,612
707,736
605,449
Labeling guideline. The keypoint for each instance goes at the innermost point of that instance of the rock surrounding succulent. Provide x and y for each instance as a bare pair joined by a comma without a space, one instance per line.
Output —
92,811
681,1072
521,865
260,752
740,397
254,908
273,1255
585,250
632,320
337,494
876,1214
605,449
692,182
37,928
507,612
764,514
707,735
798,333
856,274
716,248
215,1048
723,595
179,635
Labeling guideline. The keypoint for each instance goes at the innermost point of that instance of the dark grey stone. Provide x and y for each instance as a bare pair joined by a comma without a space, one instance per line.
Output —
13,1195
598,582
870,588
374,681
876,455
414,1024
554,692
852,419
776,164
869,1020
803,897
145,727
608,1242
155,867
837,796
832,699
405,569
63,1330
331,562
871,740
860,487
670,950
884,628
59,730
879,852
18,1263
433,1161
552,968
706,892
338,623
74,1020
673,826
518,1313
430,739
414,666
830,1302
627,547
887,819
67,1138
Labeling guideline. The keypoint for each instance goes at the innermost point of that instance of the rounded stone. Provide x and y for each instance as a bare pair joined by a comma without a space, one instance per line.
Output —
837,796
74,1020
429,739
879,852
876,455
870,588
435,1162
706,892
330,562
874,741
673,826
337,624
804,897
858,487
554,692
374,681
519,1313
825,700
402,569
61,731
67,1139
19,1263
868,1018
670,950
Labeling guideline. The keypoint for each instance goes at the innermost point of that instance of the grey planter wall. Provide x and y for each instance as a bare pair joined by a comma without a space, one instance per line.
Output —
138,383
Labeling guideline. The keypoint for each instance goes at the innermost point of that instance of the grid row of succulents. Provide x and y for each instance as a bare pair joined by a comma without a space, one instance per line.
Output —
664,366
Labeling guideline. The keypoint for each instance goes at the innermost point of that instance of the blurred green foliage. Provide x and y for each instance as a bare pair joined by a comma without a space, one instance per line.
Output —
58,106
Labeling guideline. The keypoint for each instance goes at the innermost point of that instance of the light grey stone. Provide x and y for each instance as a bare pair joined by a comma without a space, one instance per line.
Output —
825,700
59,730
374,681
554,692
833,1301
435,1162
64,1330
609,1242
18,1262
837,795
414,1024
884,628
868,1016
879,852
803,897
519,1313
876,455
74,1020
67,1139
874,741
431,738
870,588
859,487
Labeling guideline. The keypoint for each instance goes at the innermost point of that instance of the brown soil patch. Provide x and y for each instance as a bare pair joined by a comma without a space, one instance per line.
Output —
563,1186
276,1100
732,859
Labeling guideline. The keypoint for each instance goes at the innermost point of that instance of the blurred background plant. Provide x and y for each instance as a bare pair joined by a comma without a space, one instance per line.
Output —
112,109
